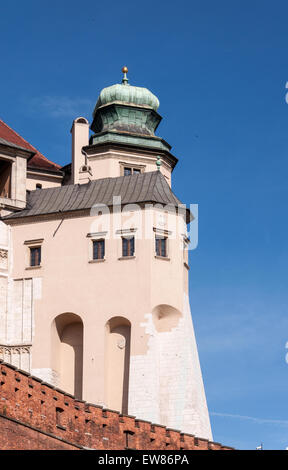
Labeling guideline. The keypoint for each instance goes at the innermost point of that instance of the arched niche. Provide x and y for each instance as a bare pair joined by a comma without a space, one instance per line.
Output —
67,352
81,120
117,363
165,317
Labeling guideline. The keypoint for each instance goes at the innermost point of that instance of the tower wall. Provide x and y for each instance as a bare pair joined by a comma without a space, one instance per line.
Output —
165,383
169,377
111,162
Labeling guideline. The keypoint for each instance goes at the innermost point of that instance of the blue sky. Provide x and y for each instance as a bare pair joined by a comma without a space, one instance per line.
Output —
219,70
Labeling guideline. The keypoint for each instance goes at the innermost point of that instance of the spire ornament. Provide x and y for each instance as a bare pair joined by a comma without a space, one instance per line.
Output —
158,163
125,79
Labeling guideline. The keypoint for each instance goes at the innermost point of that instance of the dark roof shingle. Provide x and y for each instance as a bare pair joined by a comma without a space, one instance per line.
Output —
145,187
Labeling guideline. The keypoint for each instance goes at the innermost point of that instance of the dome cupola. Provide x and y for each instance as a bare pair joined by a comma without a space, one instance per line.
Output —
127,94
125,108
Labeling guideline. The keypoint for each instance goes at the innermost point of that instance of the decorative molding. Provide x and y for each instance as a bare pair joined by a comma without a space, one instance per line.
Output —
96,234
8,351
132,165
165,258
3,259
33,242
3,254
121,343
101,260
126,231
161,231
48,175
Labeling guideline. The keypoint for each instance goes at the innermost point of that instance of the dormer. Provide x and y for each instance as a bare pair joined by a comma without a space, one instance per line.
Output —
22,167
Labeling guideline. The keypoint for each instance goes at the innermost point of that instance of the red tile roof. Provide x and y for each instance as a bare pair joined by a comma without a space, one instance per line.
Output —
38,160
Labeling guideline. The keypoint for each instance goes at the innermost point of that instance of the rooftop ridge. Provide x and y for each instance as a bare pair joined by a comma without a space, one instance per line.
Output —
28,145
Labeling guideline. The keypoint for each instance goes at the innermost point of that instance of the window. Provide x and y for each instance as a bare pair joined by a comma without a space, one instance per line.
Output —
130,170
98,249
128,246
5,178
35,256
161,246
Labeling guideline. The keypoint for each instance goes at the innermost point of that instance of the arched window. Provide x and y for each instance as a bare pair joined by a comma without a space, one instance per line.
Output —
67,352
117,363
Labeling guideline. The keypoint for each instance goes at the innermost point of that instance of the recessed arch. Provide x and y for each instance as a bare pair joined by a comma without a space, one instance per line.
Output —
165,317
117,363
67,352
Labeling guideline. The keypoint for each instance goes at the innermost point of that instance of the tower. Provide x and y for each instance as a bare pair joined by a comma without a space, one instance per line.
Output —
98,271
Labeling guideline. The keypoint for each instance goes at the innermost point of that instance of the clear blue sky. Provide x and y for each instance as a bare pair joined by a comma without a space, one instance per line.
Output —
219,69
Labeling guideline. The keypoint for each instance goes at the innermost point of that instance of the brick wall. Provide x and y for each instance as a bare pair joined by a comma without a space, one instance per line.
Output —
36,415
18,436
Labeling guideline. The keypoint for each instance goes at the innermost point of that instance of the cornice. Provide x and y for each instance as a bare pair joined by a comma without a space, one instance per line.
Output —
96,149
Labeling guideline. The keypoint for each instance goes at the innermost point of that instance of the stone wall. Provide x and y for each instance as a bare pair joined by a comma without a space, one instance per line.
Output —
16,308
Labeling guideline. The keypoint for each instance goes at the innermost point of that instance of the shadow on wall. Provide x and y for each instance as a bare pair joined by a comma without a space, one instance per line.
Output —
67,352
117,363
165,317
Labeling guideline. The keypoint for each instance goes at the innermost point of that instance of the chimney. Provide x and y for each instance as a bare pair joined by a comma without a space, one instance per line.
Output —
80,138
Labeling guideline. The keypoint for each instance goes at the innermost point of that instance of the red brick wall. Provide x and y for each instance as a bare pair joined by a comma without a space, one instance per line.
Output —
16,436
30,401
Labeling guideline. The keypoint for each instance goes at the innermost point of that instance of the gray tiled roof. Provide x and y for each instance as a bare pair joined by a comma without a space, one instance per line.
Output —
10,144
146,187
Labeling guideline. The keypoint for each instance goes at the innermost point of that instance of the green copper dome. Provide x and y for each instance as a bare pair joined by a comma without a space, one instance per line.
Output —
126,113
127,94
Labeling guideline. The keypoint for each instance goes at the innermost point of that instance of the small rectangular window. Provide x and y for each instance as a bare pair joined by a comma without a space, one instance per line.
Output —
128,246
161,246
98,249
129,170
35,256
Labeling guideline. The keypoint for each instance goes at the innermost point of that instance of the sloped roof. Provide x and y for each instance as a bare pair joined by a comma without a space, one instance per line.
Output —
38,161
146,187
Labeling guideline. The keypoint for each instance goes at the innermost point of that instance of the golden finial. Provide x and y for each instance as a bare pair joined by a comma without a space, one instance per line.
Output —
125,79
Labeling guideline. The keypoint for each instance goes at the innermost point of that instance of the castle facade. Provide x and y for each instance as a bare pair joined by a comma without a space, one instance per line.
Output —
94,295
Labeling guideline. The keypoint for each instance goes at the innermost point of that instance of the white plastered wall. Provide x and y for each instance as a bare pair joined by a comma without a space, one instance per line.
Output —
17,298
166,383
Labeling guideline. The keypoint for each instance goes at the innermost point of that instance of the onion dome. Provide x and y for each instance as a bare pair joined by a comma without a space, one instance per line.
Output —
127,94
126,108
